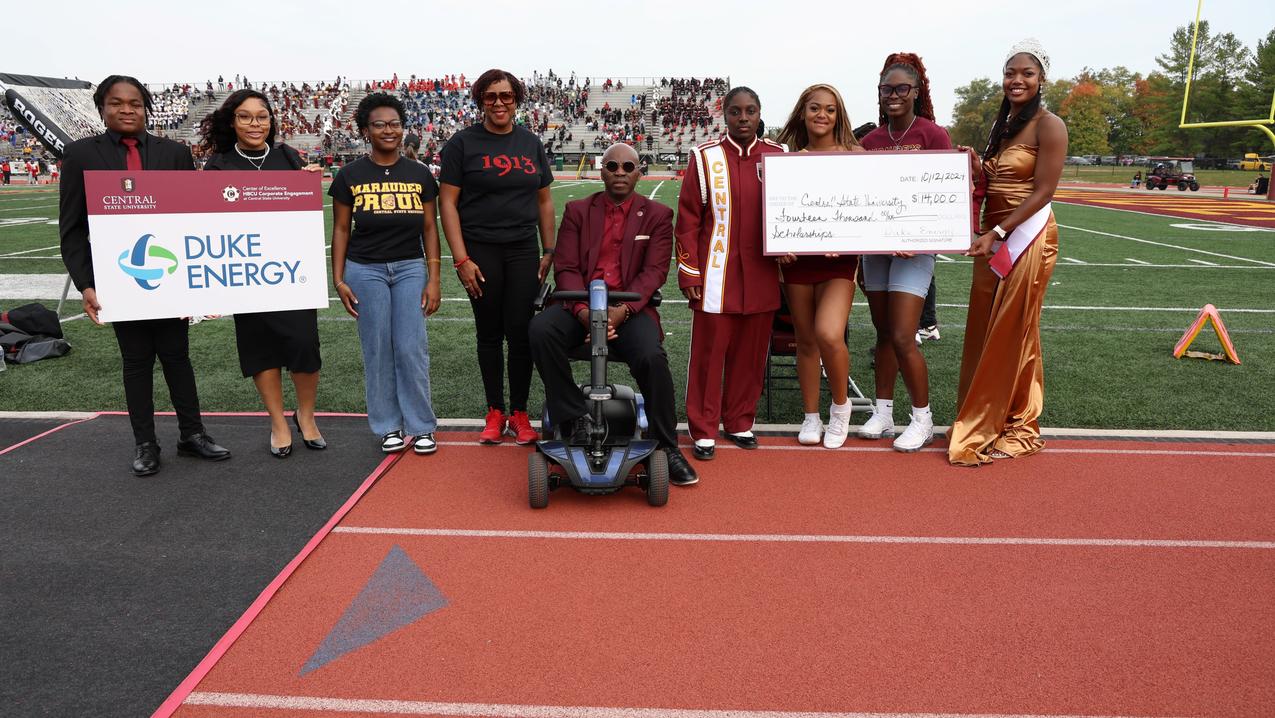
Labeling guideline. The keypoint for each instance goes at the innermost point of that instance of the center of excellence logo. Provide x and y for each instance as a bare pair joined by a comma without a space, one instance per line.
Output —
147,263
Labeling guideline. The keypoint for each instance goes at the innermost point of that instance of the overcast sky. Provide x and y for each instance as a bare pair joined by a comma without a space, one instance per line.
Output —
772,47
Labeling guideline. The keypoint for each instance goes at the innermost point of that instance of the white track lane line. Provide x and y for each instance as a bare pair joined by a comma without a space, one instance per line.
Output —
1170,246
806,538
881,448
503,710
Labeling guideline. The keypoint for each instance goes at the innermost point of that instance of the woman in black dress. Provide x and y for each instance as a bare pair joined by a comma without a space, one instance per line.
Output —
240,136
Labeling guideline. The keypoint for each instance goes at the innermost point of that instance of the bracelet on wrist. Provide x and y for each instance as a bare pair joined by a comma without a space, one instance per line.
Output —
460,263
547,251
1000,232
434,261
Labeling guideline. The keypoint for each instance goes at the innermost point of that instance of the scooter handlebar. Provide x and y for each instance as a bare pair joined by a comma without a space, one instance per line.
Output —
577,295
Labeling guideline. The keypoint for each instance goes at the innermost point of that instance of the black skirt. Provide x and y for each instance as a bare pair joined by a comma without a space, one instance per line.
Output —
274,340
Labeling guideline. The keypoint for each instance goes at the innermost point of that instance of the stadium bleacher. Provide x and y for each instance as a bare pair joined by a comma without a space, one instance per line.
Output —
572,114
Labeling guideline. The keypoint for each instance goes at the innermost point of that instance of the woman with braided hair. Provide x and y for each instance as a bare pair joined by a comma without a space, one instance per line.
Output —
896,284
1002,385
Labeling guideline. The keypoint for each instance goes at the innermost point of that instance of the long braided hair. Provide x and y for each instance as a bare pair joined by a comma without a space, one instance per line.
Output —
912,65
1005,126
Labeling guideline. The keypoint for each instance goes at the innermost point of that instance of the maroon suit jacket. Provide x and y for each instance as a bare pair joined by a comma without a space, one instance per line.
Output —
644,256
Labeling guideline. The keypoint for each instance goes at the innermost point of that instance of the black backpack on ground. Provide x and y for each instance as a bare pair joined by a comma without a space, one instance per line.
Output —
30,333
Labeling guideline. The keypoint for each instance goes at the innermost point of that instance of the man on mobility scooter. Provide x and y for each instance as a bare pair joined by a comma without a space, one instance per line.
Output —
625,240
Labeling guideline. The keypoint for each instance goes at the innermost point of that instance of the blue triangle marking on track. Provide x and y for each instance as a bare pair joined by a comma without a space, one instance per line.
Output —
398,594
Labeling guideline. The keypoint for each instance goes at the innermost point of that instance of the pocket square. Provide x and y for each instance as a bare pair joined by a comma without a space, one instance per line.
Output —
641,237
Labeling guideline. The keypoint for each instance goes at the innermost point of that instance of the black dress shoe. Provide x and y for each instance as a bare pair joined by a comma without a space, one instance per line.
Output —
743,442
202,446
703,453
281,452
313,444
680,472
146,459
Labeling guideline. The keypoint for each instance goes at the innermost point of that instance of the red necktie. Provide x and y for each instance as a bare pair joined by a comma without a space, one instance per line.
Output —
134,158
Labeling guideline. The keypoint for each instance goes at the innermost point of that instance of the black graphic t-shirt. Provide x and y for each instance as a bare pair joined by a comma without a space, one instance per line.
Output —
389,208
498,176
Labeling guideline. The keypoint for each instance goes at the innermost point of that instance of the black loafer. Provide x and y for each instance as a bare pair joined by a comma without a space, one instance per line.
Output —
680,472
146,459
703,453
313,444
202,446
743,442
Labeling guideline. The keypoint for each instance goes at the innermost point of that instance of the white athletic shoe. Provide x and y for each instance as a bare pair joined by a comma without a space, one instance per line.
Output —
877,426
930,333
838,429
918,434
811,431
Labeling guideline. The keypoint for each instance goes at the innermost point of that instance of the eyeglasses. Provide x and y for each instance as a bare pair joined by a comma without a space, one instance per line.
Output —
245,119
613,166
900,90
505,98
382,124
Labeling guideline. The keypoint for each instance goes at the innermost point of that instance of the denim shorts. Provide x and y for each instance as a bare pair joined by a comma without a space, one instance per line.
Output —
885,272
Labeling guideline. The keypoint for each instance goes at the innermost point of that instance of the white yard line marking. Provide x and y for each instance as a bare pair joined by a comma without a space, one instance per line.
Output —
656,190
804,538
1136,261
1073,260
945,258
505,710
1170,246
23,209
1201,261
28,251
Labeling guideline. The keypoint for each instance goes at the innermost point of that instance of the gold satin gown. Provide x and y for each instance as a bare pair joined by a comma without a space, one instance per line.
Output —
1002,387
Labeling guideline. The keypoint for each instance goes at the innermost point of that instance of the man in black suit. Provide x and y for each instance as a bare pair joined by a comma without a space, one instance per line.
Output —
124,103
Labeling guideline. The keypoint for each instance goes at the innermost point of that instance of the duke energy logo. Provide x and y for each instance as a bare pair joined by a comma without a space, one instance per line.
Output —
137,262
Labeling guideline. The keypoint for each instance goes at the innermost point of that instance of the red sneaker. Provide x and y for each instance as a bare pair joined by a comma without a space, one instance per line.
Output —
520,424
494,433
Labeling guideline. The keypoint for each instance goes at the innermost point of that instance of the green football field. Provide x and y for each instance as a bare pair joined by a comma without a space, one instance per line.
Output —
1125,288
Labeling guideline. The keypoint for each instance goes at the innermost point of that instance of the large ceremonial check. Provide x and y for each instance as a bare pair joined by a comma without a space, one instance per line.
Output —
182,244
866,202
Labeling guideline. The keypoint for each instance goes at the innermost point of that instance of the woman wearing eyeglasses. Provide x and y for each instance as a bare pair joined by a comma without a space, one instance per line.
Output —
896,285
240,135
385,259
494,200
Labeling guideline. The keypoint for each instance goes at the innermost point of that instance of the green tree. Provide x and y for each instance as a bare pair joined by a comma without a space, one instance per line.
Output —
1086,118
976,106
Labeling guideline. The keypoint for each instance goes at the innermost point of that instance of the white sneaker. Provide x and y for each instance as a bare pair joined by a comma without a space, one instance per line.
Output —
931,333
918,434
838,429
877,426
425,444
811,431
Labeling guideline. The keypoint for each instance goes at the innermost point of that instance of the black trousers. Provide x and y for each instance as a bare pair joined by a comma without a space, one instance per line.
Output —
501,316
140,343
929,314
555,332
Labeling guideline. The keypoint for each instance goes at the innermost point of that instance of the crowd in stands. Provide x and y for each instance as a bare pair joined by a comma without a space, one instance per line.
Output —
172,106
681,111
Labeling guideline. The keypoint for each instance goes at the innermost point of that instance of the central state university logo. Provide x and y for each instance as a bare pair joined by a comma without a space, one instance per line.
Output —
136,262
128,184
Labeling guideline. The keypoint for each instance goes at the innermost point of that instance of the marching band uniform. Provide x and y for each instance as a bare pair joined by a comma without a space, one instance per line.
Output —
719,249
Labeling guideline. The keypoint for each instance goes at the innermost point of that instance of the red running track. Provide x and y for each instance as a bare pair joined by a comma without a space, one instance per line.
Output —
1098,578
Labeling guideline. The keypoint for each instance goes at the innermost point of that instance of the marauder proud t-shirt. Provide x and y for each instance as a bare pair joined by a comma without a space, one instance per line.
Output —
388,205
